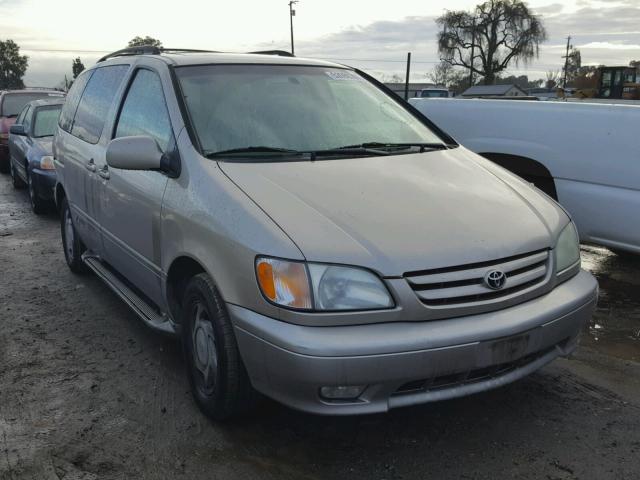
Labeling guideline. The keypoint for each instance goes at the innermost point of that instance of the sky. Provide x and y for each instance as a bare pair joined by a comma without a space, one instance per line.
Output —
374,36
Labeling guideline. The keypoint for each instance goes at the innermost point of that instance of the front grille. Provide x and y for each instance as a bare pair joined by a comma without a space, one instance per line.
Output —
443,382
464,284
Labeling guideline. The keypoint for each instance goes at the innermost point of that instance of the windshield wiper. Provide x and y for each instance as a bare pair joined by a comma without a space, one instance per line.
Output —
399,146
252,150
348,150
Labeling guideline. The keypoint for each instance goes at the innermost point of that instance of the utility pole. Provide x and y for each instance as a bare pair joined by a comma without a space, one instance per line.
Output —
406,79
566,63
292,13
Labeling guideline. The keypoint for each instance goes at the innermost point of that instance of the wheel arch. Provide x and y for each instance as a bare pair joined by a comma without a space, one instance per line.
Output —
181,270
531,170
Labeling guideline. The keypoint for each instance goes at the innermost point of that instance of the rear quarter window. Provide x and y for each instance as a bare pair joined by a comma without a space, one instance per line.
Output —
96,101
73,98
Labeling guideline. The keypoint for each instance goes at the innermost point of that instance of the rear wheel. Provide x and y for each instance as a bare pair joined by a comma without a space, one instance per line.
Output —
217,376
37,204
15,179
73,248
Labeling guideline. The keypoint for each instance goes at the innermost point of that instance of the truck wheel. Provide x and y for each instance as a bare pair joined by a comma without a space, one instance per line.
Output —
218,378
73,247
15,179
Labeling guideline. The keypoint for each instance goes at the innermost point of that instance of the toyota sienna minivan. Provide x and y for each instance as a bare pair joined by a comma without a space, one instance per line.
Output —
308,234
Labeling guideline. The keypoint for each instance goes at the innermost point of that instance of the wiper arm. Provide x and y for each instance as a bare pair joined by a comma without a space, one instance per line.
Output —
400,146
349,150
256,149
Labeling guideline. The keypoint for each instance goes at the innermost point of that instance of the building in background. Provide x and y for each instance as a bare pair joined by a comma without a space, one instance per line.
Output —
484,91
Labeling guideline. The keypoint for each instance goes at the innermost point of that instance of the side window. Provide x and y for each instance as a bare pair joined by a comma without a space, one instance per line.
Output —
26,120
144,111
73,98
96,101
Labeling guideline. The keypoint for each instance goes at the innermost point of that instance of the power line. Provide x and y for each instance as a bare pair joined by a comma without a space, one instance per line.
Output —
63,50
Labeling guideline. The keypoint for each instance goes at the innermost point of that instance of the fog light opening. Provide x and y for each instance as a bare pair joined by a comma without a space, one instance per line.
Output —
342,392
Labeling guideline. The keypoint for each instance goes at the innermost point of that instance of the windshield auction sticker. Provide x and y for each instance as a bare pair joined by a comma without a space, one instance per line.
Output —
342,75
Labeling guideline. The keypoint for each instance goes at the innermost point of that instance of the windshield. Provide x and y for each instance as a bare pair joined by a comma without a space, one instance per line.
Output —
46,121
13,103
298,108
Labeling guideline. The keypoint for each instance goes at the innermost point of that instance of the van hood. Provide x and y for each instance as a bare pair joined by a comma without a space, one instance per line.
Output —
396,214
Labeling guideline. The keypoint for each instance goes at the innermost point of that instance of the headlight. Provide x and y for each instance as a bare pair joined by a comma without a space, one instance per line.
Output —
568,248
46,163
315,286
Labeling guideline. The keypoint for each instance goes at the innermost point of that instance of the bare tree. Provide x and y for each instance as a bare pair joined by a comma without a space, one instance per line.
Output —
552,78
441,74
498,32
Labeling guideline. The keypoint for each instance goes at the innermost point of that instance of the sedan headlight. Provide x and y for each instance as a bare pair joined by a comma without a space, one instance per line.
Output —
568,248
322,287
46,163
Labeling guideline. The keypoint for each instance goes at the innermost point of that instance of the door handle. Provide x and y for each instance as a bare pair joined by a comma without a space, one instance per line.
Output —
104,172
91,166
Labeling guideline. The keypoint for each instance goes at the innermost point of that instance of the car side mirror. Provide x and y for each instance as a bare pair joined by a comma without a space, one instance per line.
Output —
17,129
134,153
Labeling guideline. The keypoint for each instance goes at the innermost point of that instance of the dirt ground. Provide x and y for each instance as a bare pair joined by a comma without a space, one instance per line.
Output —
87,392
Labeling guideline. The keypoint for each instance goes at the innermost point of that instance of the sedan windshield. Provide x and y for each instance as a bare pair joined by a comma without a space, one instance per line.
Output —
46,121
292,108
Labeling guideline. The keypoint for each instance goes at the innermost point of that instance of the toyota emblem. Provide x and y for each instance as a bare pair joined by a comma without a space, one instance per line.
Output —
495,279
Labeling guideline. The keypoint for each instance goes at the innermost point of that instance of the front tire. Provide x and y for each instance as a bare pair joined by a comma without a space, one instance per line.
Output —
37,204
16,181
73,247
218,378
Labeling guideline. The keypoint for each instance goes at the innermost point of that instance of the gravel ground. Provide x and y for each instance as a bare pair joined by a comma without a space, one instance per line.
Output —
87,392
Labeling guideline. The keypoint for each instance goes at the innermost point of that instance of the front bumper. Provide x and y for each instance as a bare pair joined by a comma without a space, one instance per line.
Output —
44,182
408,363
4,152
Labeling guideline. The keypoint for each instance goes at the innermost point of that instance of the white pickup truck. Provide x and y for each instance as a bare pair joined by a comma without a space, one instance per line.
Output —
585,155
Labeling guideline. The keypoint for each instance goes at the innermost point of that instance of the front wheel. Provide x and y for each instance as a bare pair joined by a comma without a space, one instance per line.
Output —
217,376
37,204
73,247
15,179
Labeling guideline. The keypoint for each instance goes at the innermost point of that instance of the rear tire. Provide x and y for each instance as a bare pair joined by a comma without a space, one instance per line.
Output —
219,381
17,182
73,247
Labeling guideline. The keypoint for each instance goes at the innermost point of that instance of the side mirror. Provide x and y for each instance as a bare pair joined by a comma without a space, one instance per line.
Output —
17,129
134,153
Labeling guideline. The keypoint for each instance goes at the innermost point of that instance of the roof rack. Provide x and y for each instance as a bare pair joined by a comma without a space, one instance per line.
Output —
280,53
150,50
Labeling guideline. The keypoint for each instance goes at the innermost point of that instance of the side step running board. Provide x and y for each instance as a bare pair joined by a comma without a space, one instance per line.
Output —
146,312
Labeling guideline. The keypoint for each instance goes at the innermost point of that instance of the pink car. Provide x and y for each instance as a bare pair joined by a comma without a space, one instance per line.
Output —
11,104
